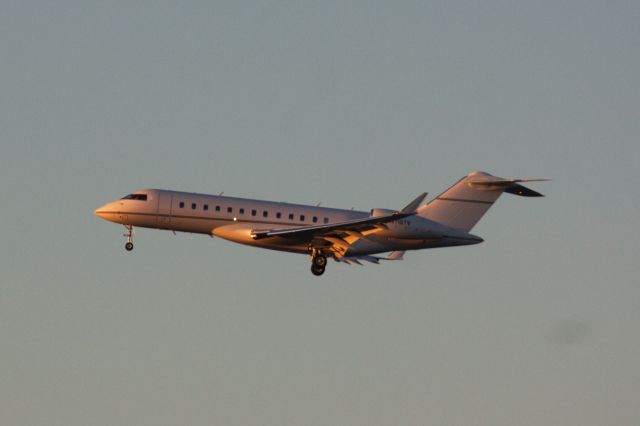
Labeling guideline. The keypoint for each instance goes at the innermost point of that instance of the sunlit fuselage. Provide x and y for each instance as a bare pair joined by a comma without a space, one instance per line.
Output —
234,219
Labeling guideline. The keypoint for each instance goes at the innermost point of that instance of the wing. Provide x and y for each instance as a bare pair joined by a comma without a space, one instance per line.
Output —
338,237
307,232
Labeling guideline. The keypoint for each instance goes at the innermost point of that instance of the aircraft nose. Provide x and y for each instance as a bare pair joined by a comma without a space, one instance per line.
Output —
101,211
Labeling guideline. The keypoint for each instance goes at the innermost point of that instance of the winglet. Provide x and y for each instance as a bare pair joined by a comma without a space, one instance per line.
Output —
413,206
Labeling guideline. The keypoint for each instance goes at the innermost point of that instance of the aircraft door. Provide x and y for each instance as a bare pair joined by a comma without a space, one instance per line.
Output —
164,210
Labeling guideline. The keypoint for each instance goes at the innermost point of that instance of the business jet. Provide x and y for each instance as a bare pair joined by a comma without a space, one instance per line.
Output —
347,236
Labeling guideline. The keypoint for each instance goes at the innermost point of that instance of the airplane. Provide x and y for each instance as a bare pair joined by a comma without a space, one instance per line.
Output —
347,236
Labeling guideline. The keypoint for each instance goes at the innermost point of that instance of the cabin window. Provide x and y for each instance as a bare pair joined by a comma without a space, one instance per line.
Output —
182,204
205,207
141,197
229,209
278,215
265,213
253,212
193,206
241,211
301,218
326,220
290,216
217,208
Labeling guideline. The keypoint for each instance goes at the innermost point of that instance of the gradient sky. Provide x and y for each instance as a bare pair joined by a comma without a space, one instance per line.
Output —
355,104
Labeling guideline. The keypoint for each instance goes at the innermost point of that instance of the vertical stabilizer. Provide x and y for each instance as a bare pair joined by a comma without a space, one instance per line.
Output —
464,204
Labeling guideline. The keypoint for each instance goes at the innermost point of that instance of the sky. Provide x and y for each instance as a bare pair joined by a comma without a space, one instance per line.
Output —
361,104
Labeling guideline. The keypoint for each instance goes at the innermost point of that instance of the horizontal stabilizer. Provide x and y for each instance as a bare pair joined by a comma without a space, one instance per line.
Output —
498,181
510,186
522,191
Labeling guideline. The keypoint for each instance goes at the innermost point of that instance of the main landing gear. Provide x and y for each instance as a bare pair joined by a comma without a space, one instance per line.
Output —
129,234
318,262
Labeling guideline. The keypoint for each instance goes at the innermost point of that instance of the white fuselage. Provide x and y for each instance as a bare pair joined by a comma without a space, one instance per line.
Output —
235,219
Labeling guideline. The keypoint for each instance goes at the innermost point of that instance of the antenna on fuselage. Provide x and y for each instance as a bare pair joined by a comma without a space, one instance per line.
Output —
221,193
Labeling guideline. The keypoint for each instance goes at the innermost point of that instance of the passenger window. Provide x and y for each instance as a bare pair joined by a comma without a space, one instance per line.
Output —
253,212
206,207
315,219
301,218
193,206
217,208
182,204
229,209
290,216
326,220
278,215
241,211
265,213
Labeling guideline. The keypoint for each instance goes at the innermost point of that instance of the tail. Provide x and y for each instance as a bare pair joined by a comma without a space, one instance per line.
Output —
464,204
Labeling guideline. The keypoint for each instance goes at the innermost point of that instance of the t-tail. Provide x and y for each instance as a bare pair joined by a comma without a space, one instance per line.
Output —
464,204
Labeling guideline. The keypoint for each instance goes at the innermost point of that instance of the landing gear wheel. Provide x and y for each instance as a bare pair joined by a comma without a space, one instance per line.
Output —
317,271
129,234
320,261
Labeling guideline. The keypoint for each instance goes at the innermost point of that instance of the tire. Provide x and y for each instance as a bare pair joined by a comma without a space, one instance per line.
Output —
320,261
316,271
128,246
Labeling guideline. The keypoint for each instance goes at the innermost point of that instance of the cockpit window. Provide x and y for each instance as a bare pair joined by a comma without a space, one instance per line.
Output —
141,197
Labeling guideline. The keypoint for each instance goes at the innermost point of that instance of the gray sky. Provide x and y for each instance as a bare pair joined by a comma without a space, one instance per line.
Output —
362,104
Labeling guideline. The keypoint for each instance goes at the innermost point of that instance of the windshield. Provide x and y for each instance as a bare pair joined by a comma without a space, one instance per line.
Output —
142,197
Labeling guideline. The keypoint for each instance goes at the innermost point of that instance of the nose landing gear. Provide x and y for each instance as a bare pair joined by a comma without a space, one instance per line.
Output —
318,262
129,234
